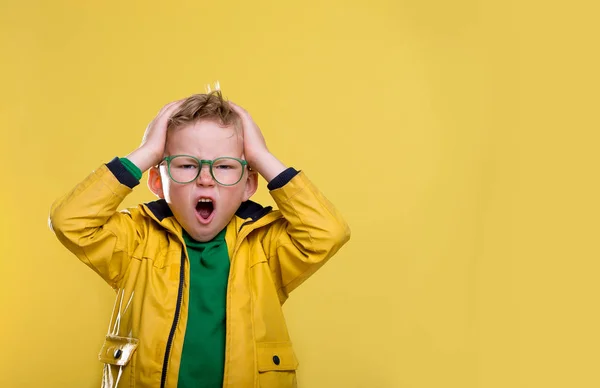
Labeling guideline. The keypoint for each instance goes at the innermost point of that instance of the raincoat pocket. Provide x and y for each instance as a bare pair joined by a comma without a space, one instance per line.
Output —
117,350
277,365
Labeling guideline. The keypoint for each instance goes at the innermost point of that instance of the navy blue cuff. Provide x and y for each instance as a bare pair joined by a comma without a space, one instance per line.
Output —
282,179
122,174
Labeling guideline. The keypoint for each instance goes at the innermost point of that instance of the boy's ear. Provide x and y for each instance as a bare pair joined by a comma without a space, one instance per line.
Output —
251,185
155,182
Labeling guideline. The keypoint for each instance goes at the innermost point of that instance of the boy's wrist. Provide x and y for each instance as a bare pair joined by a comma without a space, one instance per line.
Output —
268,166
142,159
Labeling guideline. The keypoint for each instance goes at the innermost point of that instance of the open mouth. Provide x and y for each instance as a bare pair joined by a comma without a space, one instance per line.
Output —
205,208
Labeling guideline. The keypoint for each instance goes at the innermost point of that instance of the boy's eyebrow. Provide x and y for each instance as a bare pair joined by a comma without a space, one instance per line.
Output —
199,158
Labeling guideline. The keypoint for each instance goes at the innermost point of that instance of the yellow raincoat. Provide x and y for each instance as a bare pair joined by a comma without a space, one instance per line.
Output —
139,252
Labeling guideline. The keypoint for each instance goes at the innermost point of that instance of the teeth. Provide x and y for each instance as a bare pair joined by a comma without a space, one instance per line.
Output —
205,200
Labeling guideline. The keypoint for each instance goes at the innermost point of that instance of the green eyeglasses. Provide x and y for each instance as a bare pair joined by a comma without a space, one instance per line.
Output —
225,171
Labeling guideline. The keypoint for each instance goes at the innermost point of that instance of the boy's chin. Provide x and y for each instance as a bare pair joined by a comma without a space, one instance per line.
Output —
205,233
204,236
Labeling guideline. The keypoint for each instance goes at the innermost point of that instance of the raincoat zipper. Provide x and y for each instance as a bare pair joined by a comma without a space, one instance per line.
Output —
163,377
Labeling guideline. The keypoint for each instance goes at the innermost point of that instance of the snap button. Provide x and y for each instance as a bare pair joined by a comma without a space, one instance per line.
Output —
276,360
118,353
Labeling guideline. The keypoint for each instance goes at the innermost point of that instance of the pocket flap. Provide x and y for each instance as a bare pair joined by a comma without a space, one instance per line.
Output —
117,350
276,356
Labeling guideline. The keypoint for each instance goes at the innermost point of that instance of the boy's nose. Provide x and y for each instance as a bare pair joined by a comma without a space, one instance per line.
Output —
205,179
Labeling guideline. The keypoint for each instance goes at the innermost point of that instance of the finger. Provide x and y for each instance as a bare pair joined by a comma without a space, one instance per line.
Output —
173,105
238,109
169,106
168,110
165,107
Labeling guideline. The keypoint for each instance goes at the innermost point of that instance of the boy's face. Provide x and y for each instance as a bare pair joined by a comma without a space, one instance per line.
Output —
191,202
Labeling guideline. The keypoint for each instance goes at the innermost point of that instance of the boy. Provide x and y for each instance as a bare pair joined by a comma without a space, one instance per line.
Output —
201,273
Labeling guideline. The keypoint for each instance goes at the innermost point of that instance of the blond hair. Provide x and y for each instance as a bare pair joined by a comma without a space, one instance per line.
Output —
209,106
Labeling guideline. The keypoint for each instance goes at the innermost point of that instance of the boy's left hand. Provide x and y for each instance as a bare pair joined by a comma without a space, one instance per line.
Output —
254,142
255,148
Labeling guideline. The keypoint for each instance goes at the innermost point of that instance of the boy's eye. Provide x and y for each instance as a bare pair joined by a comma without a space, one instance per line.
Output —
184,164
224,167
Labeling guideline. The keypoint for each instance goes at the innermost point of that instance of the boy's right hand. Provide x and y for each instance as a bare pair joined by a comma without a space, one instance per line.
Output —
151,151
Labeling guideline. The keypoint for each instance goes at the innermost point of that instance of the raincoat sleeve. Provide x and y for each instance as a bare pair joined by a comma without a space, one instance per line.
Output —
312,232
86,221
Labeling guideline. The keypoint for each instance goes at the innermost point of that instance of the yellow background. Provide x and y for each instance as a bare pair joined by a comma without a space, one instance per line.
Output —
459,138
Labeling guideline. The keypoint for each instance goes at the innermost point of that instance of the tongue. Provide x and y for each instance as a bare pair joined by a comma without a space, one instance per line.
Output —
204,209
